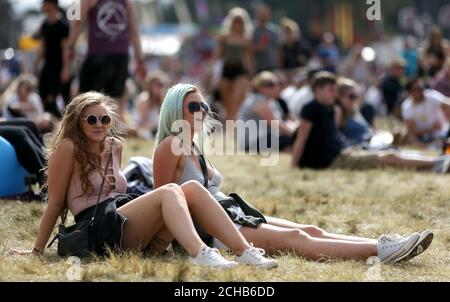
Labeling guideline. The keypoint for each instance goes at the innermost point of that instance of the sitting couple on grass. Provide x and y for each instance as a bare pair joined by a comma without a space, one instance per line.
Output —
152,221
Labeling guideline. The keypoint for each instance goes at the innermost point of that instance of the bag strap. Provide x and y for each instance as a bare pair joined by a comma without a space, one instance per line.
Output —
64,216
103,181
204,167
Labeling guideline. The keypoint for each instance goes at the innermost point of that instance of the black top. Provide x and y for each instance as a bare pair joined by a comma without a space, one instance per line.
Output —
53,34
324,143
392,89
296,55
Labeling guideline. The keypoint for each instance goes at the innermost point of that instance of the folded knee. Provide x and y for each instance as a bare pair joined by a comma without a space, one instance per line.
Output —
191,187
172,189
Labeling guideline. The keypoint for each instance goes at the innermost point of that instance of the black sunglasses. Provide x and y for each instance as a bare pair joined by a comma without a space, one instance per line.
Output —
92,120
197,106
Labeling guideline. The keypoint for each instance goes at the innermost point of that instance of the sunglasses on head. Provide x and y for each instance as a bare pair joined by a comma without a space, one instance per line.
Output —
92,120
197,106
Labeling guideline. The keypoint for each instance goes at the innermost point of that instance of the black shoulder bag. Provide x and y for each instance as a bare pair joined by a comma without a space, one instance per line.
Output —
76,240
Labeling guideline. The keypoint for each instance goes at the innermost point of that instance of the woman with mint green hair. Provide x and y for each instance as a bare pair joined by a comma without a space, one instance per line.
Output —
186,103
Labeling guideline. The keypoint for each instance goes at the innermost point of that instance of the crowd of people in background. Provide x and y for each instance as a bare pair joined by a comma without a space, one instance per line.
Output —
254,70
325,100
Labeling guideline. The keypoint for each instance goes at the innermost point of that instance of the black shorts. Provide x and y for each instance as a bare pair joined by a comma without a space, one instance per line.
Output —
104,73
233,71
107,232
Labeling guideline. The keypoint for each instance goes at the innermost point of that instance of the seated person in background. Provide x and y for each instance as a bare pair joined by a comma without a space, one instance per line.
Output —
302,96
261,105
423,114
319,144
351,123
147,105
28,147
21,100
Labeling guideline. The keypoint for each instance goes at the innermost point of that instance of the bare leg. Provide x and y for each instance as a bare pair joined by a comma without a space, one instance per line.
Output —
239,89
411,162
315,231
147,214
210,215
275,239
225,87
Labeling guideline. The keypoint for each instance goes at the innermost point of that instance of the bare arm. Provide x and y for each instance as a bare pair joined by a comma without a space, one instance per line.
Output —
302,136
413,130
249,59
266,113
39,56
76,27
165,162
136,40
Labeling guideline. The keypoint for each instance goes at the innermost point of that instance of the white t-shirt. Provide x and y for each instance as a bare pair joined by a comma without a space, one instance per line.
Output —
299,99
32,108
426,113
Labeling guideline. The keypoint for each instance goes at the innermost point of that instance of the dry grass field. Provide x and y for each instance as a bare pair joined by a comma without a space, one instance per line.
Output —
361,203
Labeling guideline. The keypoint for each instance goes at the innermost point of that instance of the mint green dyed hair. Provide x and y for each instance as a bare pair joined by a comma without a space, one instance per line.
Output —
172,111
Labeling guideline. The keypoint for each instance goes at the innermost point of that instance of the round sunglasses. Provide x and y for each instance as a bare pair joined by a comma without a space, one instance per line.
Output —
197,106
92,120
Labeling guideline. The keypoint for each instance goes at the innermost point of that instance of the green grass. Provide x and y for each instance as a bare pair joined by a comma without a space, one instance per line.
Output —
359,203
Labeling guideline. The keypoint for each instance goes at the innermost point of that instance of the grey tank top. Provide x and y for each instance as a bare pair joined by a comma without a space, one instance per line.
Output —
192,172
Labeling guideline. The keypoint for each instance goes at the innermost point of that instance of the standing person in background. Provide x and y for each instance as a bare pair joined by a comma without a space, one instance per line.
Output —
235,50
441,82
112,27
266,41
435,54
53,37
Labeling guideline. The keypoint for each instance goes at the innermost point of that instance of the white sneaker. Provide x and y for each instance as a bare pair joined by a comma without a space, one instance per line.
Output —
211,257
390,249
442,165
426,237
255,256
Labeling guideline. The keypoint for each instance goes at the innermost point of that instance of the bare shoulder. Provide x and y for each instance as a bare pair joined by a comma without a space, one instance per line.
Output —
67,146
165,147
64,152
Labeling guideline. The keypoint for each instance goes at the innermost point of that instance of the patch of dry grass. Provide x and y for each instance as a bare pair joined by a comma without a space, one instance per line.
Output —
359,203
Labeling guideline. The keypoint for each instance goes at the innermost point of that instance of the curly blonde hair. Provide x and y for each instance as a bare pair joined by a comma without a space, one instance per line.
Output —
70,129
